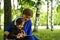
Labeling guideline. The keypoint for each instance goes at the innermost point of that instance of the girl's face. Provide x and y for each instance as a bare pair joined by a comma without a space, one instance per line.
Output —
21,25
26,18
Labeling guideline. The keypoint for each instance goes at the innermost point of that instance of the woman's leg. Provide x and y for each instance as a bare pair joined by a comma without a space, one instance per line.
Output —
31,38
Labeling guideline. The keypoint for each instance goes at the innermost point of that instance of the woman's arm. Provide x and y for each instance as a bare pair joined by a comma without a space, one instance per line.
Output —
29,28
8,28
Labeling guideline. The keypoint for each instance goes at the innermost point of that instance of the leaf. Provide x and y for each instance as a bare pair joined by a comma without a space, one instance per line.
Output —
58,9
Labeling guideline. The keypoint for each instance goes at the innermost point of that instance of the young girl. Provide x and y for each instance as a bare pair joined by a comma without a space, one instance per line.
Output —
17,32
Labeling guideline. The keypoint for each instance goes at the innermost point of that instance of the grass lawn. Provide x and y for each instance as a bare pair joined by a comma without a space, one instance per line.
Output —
46,34
1,34
43,34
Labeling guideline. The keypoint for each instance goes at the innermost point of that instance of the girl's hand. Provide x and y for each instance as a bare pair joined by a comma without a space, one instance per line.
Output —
19,35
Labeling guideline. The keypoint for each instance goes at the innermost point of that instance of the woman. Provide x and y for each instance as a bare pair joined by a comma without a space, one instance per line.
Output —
27,14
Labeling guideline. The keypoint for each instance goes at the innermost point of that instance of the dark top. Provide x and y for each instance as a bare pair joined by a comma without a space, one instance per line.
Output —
13,32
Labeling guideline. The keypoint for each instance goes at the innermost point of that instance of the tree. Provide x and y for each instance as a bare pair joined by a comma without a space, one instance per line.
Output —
52,15
0,14
48,14
7,12
37,16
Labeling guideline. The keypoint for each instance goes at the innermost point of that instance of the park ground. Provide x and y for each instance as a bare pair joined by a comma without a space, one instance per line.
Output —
43,34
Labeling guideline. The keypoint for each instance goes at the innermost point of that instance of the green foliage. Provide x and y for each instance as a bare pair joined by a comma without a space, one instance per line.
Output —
32,3
26,4
43,18
58,9
21,9
56,17
29,2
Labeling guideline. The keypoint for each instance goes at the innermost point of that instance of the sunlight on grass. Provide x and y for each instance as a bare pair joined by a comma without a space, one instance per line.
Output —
45,34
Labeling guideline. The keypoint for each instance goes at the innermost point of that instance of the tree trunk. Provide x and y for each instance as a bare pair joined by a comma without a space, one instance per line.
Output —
37,17
7,12
48,14
0,14
0,21
52,14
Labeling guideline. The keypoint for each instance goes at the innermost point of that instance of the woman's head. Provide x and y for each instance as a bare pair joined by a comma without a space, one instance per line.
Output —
20,23
27,14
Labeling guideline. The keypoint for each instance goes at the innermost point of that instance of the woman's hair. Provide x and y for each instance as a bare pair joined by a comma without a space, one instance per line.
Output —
19,21
28,12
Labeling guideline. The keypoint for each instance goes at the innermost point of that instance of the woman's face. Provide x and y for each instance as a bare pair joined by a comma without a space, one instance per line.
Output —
21,25
26,18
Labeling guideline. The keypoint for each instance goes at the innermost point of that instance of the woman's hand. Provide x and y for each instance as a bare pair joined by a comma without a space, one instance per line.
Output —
6,33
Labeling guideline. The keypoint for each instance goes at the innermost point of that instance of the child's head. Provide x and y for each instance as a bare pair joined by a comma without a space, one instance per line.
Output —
27,14
20,23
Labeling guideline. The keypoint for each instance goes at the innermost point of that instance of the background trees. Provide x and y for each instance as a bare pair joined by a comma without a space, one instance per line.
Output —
32,4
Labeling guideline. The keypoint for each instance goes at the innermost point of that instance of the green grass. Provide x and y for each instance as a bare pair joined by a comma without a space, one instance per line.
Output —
45,34
1,34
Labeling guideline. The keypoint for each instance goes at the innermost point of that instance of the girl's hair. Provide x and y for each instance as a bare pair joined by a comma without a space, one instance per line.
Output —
19,21
28,12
